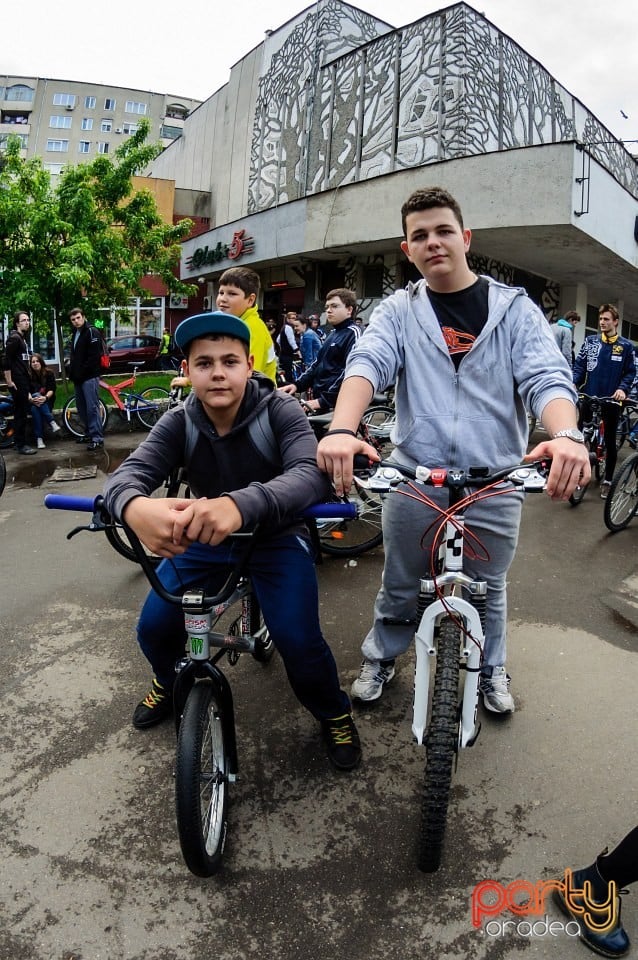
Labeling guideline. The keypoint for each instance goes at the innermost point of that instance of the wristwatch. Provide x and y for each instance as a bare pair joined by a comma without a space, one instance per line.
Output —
571,433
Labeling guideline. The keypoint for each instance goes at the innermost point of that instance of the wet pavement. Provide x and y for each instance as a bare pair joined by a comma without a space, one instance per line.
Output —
318,865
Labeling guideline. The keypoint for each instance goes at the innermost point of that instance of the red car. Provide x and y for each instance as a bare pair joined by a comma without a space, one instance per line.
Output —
133,348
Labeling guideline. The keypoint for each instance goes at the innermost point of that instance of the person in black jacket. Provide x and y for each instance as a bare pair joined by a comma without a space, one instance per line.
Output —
235,486
17,375
326,373
84,371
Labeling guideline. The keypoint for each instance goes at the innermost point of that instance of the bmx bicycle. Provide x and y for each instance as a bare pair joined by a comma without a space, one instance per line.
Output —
207,756
622,500
450,623
595,441
147,406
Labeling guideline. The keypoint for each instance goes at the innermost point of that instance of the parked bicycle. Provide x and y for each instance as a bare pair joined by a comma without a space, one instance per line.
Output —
353,537
207,756
627,424
595,440
6,420
449,628
147,406
622,500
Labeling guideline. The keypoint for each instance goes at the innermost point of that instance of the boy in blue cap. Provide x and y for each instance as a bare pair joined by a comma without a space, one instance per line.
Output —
235,485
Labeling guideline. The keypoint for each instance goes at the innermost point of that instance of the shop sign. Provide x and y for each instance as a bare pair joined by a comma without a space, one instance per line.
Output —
206,256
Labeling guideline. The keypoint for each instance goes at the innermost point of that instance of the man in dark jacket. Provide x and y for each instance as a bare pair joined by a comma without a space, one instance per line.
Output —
326,373
84,371
236,484
606,367
17,376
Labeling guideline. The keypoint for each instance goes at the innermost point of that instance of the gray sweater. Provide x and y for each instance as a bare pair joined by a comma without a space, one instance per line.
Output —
474,416
273,494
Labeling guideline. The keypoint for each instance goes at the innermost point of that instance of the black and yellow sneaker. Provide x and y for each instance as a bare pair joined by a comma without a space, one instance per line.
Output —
342,741
156,706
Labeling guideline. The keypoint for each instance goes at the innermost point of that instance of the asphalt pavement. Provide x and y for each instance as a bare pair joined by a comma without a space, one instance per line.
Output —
318,865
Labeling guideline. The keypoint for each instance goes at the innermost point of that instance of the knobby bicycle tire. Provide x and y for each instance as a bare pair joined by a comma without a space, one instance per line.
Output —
441,746
71,419
3,474
158,400
351,538
622,500
201,782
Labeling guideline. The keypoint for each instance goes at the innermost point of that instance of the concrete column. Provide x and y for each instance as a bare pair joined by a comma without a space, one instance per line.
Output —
575,298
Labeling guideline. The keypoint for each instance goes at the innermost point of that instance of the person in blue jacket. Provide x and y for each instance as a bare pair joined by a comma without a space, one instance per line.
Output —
605,367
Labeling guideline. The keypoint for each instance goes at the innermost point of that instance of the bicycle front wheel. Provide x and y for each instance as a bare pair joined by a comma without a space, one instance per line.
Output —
622,499
351,538
151,404
441,747
201,782
71,418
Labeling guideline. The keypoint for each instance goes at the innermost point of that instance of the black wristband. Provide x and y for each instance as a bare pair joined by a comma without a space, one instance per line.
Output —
349,433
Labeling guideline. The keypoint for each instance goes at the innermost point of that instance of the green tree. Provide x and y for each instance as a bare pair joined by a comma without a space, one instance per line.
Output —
89,240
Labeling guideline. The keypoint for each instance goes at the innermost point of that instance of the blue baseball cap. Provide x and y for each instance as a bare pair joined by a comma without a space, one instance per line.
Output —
223,324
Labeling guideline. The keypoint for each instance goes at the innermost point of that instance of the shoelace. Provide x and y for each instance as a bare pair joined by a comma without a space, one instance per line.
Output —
153,698
340,733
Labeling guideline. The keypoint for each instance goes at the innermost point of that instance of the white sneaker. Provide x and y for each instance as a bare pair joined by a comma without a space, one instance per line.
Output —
40,443
496,692
54,427
371,680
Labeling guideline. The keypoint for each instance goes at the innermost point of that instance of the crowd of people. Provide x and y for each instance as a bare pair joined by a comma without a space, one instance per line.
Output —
468,357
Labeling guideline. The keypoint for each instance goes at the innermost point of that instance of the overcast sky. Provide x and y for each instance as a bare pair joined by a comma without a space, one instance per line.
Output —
589,46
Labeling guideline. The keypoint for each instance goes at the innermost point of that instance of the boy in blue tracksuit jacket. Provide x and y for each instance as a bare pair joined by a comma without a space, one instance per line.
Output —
606,367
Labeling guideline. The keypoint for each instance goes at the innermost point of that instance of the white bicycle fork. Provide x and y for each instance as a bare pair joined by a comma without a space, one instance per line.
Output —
471,649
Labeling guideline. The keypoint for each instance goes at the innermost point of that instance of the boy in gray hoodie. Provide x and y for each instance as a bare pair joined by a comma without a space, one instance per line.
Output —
467,355
236,484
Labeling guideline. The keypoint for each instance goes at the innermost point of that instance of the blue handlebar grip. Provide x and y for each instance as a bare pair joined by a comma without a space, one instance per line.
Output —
63,501
331,511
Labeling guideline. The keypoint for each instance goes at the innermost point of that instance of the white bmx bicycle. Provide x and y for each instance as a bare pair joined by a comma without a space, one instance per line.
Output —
450,622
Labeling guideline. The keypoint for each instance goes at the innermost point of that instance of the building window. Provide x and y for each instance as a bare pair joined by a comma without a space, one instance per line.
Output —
102,147
87,123
84,146
22,137
19,91
170,133
89,103
58,146
109,103
63,100
129,128
134,106
61,122
106,126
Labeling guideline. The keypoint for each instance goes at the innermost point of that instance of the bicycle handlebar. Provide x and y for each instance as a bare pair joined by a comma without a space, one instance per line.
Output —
95,505
617,403
317,511
387,474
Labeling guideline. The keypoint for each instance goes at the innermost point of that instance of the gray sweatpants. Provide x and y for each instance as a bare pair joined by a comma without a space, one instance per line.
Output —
407,559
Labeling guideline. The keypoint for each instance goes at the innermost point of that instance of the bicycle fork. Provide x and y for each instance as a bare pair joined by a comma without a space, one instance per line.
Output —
471,614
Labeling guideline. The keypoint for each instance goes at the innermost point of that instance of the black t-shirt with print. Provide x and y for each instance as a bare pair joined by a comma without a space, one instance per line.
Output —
461,315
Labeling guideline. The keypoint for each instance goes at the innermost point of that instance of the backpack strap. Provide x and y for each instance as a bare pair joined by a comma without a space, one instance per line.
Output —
259,430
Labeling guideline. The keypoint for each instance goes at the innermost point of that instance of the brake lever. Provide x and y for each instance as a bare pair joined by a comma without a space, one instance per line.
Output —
97,524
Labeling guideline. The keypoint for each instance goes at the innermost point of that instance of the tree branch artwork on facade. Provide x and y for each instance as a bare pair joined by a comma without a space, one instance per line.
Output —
363,105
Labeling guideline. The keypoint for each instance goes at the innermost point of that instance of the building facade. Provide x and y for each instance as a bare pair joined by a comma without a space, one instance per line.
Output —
67,122
303,159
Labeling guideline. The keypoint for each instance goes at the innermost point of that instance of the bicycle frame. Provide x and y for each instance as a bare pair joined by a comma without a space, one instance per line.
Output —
132,401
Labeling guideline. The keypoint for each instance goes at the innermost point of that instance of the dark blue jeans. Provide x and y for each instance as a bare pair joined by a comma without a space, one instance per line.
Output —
285,583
